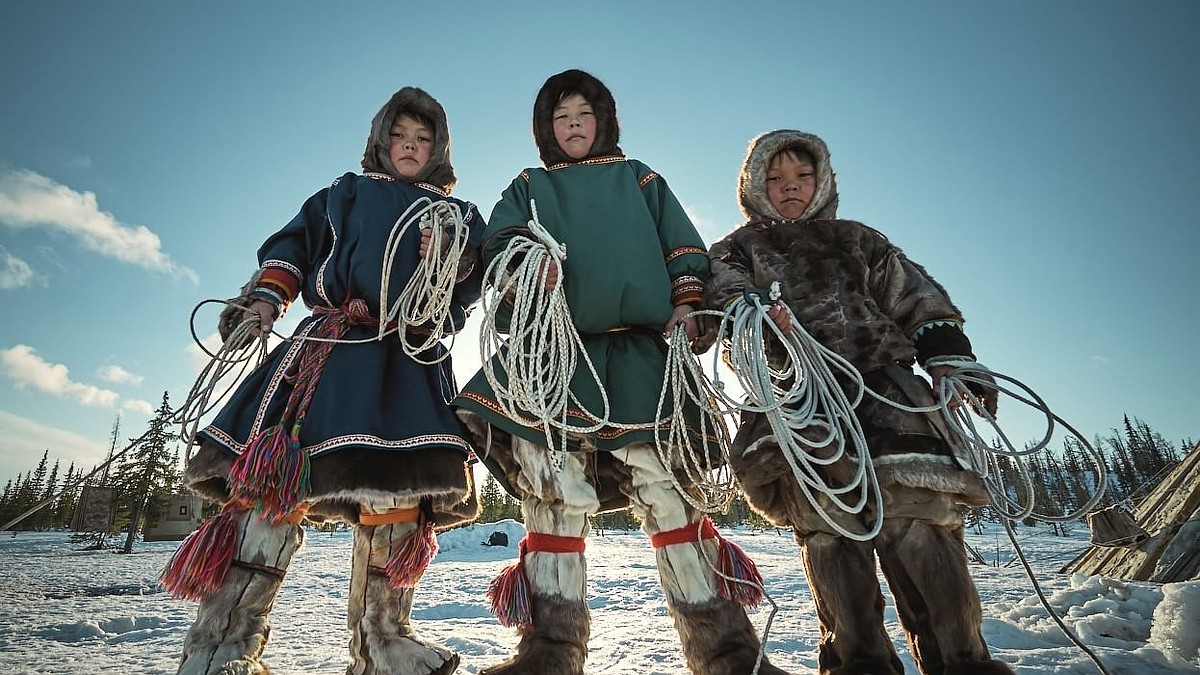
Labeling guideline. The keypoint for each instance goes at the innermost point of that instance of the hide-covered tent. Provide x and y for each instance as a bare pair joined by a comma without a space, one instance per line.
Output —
1158,540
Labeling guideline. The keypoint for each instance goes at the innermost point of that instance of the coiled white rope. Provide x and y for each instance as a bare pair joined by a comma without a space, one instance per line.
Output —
954,394
238,354
427,298
543,349
812,400
705,467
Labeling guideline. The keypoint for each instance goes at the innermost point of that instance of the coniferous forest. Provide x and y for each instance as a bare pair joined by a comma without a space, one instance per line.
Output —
141,479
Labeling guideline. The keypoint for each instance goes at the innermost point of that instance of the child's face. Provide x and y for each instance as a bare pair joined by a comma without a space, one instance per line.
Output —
791,182
412,143
575,126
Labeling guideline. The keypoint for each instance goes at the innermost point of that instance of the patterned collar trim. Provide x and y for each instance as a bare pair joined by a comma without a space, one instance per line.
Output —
605,159
392,179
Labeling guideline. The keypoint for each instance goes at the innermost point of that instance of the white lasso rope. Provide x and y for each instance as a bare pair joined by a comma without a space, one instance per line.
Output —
542,349
814,398
985,457
542,352
427,298
707,470
240,353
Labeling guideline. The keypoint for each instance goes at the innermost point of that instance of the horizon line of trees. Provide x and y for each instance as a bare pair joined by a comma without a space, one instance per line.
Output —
1135,457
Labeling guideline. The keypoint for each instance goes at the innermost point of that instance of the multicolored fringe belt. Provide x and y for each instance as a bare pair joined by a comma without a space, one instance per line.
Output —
273,472
272,477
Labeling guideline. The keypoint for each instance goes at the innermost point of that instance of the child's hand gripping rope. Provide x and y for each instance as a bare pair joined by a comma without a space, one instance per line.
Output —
243,348
808,410
539,356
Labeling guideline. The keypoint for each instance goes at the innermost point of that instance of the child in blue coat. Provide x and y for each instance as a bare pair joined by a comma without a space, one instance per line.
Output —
338,424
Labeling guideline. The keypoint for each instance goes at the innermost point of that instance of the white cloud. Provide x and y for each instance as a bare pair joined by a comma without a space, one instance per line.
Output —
28,370
138,405
79,162
30,200
1098,361
196,358
14,272
704,220
119,375
26,440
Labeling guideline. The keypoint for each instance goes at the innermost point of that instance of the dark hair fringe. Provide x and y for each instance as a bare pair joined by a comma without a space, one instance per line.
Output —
561,86
420,105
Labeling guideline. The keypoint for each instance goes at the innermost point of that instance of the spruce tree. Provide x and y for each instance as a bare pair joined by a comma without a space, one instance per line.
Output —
46,517
65,507
37,485
490,501
150,472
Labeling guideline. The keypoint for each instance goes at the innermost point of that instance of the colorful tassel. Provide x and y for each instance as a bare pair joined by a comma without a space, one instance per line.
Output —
273,474
199,566
741,581
405,567
510,592
738,579
511,595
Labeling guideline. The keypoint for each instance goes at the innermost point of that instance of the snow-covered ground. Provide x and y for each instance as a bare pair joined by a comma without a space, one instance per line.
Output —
64,610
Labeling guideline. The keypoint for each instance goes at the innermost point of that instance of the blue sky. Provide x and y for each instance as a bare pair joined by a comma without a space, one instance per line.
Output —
1040,159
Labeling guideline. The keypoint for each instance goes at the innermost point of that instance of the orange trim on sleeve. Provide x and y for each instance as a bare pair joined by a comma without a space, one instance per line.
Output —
282,280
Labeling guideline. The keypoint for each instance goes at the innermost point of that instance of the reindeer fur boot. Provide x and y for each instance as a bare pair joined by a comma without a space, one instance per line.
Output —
937,602
382,639
231,628
718,639
841,574
554,642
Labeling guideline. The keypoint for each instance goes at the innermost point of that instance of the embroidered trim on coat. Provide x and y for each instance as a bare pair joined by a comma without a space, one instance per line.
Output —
607,159
684,250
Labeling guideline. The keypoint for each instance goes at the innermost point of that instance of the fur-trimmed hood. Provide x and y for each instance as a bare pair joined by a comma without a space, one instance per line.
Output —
752,183
419,104
560,86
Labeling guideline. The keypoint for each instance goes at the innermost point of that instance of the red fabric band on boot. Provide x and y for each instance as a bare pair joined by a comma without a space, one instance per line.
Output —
510,593
550,543
683,535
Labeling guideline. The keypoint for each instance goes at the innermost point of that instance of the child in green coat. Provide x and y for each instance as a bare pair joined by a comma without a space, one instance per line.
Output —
635,269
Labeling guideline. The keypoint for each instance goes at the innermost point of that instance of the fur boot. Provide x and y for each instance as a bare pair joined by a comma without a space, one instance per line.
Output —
926,568
382,639
718,639
231,628
841,574
553,643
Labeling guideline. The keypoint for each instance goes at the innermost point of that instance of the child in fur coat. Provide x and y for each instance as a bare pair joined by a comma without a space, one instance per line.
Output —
860,296
635,268
357,430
